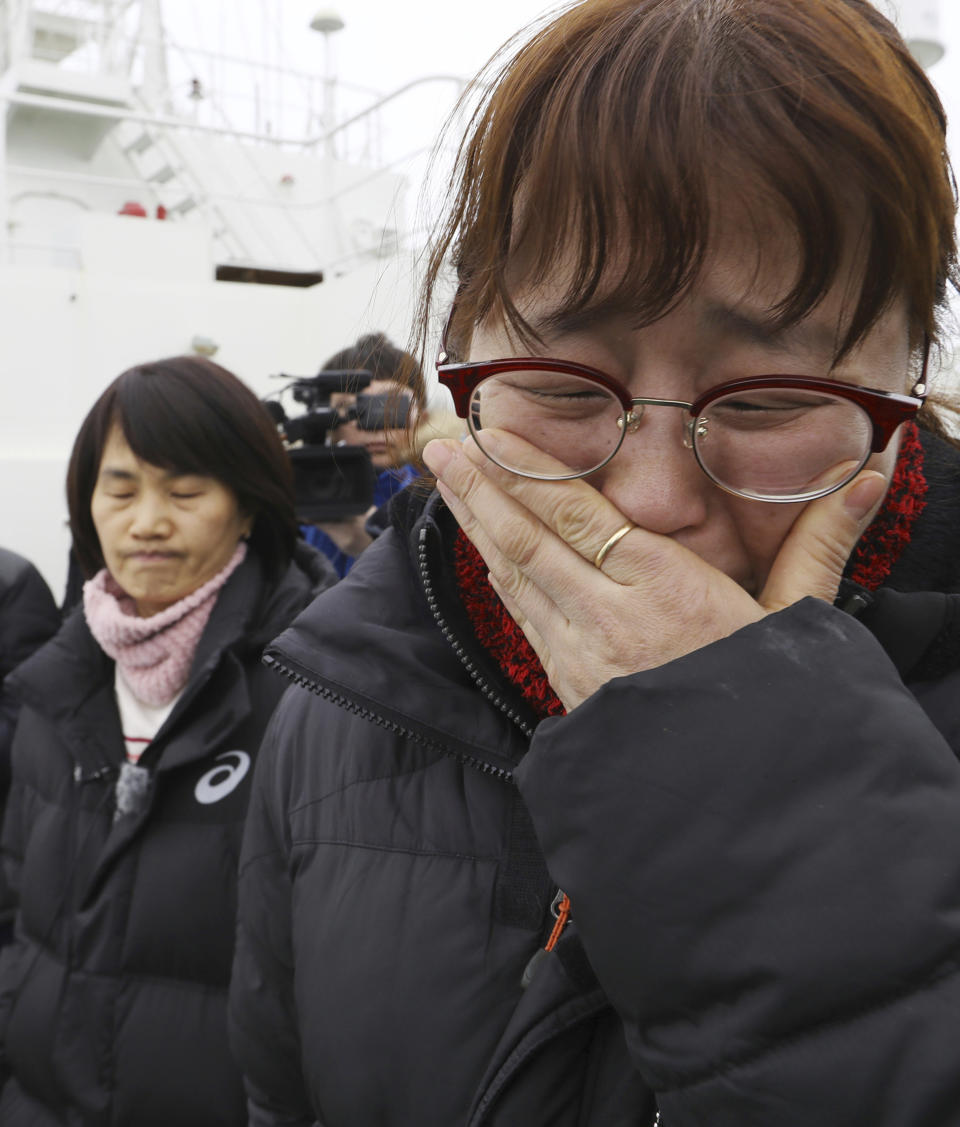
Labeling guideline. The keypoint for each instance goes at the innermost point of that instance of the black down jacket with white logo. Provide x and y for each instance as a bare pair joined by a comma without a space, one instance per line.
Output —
113,995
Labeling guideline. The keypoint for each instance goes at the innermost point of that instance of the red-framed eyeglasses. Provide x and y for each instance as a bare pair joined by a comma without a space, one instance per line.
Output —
777,438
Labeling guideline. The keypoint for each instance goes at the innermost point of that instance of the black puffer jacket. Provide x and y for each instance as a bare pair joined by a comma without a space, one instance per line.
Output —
761,842
114,992
28,618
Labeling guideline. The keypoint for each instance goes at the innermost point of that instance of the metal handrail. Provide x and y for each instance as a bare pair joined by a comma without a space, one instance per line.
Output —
98,109
71,176
259,65
162,121
381,102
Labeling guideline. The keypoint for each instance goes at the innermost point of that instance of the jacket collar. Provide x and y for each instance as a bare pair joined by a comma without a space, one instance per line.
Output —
69,681
63,674
395,640
915,615
931,561
384,643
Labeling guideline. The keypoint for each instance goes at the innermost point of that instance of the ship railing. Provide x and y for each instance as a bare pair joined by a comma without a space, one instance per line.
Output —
130,182
70,256
270,101
168,126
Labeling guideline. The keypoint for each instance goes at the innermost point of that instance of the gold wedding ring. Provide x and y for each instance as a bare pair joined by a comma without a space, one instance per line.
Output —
609,543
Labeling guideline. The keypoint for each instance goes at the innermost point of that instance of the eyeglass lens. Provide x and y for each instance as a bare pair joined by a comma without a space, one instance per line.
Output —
767,444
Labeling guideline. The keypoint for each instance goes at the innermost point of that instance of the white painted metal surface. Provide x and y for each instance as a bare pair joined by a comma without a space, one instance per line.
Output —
100,110
919,22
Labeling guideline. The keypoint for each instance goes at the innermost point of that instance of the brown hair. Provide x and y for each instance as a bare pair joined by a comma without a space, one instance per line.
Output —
189,415
616,119
378,355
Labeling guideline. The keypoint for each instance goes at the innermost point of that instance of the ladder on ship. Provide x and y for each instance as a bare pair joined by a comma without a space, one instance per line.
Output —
159,161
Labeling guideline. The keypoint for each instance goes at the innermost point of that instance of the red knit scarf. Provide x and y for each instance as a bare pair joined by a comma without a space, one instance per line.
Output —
873,558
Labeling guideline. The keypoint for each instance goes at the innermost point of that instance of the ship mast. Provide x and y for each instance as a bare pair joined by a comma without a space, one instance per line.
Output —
155,87
919,23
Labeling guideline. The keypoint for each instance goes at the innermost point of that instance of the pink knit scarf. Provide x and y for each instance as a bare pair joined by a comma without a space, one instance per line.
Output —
154,654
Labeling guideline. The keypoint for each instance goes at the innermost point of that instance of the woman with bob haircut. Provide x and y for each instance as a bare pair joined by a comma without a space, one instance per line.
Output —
132,757
620,778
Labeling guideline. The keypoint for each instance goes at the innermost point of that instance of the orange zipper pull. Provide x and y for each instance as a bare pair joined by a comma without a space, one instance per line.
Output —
561,910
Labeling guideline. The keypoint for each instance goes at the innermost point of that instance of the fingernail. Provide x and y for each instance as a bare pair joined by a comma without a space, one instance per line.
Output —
865,494
436,456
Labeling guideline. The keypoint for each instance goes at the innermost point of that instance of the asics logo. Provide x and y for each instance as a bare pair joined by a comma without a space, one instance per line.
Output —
223,779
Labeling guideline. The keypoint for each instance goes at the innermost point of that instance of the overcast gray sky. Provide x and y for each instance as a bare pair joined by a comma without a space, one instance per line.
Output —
386,43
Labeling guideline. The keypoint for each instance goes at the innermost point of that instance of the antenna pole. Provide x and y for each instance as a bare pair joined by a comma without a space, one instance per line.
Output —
155,90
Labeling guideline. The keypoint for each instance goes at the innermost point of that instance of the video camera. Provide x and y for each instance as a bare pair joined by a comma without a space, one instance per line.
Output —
331,482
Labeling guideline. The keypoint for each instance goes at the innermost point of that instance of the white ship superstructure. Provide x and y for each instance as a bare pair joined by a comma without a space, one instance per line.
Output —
159,199
159,196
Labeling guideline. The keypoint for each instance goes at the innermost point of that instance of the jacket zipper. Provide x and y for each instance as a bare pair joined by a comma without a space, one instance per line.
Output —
375,718
560,907
560,910
464,658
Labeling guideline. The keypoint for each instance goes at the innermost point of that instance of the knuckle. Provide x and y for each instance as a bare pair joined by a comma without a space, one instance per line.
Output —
510,579
520,541
835,557
578,523
828,553
469,485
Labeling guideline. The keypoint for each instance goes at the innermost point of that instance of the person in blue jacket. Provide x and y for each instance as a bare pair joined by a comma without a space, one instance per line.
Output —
395,392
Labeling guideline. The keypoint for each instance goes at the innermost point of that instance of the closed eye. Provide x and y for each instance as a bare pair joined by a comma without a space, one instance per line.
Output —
558,393
781,404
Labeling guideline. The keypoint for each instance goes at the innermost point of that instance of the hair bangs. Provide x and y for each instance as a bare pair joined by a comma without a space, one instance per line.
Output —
174,421
606,148
189,416
843,135
608,196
